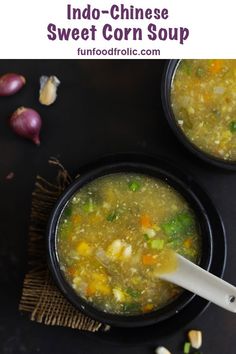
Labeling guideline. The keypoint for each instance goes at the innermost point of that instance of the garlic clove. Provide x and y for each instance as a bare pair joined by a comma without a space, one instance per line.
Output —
195,338
162,350
48,89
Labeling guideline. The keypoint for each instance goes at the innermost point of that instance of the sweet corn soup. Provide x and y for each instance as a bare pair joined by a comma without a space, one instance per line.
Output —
117,234
203,97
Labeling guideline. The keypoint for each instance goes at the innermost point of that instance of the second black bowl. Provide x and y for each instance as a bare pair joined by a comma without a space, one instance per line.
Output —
151,167
167,80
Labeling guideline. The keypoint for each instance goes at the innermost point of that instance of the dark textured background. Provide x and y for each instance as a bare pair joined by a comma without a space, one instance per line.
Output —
102,107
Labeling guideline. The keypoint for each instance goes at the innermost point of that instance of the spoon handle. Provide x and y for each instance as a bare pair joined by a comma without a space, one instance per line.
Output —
197,280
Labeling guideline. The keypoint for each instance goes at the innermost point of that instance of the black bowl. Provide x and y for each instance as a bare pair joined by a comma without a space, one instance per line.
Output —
167,79
151,167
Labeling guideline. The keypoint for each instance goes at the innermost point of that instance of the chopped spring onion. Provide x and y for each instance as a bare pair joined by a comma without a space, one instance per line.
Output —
89,207
112,216
134,186
187,347
132,292
157,244
181,224
130,307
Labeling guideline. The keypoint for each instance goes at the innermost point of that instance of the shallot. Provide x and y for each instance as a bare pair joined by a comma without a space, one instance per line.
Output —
27,123
11,83
10,176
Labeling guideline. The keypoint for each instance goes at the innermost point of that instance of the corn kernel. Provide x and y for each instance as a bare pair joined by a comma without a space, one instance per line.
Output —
84,249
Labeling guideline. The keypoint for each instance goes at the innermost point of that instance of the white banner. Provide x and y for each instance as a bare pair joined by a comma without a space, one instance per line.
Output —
112,29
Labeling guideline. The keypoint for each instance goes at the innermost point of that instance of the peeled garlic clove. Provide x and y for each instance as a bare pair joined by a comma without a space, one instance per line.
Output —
162,350
48,89
195,338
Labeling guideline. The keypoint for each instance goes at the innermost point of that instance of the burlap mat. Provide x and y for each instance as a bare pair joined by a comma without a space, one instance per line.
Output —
40,297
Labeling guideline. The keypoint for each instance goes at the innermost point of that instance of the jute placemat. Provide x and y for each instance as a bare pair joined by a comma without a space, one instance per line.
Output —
40,297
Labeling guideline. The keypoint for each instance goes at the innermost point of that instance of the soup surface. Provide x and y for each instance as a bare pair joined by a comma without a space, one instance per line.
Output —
203,96
119,232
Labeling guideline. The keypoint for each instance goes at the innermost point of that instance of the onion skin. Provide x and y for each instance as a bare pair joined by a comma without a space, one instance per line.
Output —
27,123
11,83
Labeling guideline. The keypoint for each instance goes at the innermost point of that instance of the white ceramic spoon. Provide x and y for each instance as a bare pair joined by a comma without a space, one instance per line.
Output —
197,280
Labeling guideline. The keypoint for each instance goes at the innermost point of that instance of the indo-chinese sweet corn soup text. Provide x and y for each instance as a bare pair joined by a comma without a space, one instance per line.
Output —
203,96
119,232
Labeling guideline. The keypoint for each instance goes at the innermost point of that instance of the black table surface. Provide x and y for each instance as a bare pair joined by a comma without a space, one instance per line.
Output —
103,107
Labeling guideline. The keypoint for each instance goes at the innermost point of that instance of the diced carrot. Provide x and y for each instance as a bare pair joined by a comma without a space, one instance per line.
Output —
70,237
215,66
148,308
94,219
145,221
71,271
91,290
75,219
207,96
187,243
149,259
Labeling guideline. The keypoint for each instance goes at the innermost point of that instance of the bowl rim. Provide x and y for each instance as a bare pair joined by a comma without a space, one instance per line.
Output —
91,173
167,79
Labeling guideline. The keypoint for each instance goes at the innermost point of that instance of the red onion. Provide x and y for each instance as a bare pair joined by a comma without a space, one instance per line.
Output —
11,83
26,122
10,176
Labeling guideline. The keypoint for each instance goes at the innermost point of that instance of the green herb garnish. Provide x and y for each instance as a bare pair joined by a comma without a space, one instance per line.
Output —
134,186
